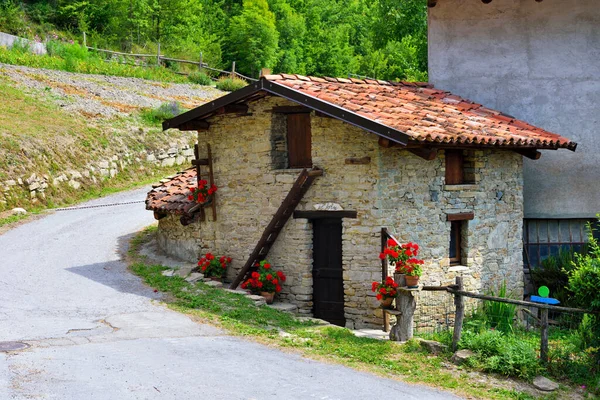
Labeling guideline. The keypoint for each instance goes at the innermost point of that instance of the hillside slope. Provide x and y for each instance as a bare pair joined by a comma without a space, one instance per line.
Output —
62,132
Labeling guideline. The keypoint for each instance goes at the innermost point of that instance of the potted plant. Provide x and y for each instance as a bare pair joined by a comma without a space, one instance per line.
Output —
386,291
213,267
413,271
265,281
202,194
404,258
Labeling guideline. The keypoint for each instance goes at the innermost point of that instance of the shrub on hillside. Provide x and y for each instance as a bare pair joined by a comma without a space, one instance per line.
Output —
164,111
231,84
200,78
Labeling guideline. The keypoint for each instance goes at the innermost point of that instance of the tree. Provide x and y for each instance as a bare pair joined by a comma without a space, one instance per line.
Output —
253,38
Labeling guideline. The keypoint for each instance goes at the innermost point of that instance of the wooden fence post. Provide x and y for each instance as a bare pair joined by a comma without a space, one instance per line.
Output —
233,69
84,40
200,65
459,316
158,55
544,335
406,305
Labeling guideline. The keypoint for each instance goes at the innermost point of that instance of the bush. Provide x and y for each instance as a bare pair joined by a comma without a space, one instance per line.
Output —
20,46
502,353
163,112
200,78
500,315
231,84
584,284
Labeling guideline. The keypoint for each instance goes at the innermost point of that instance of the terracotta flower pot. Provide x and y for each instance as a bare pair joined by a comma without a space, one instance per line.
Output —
386,303
412,281
269,296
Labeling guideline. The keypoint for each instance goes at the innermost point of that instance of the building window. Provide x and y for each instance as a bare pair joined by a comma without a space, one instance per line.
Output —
299,140
546,237
460,167
455,242
458,232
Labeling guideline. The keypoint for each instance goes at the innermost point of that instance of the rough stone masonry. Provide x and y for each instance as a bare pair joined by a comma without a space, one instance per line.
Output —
397,190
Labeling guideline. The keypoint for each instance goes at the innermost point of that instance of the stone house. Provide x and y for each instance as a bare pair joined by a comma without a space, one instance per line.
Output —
430,166
538,61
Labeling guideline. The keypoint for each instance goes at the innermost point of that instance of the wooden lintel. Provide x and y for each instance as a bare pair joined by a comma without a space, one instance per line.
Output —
194,126
322,115
532,154
291,109
465,216
202,161
159,215
355,160
233,109
425,153
317,214
387,143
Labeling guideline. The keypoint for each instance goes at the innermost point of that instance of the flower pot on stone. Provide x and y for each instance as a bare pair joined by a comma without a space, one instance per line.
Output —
412,281
269,296
386,303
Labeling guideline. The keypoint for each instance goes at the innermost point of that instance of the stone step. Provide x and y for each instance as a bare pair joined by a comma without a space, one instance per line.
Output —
285,307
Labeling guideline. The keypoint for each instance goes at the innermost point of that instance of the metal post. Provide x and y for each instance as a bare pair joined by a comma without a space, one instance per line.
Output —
544,336
459,315
233,69
158,55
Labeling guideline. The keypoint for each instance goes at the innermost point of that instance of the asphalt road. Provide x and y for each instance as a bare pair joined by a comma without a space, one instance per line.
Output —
96,332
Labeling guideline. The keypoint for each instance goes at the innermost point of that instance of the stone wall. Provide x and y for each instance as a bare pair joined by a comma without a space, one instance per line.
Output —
396,189
36,183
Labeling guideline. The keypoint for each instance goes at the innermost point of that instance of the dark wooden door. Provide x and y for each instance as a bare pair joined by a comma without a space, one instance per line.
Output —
299,140
328,284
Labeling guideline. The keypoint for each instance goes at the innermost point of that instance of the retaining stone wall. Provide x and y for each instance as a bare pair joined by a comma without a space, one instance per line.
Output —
396,189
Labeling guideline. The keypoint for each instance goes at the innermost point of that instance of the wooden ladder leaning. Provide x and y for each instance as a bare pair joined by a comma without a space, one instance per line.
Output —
287,207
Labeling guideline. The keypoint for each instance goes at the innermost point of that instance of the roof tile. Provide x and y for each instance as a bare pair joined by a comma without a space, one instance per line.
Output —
425,113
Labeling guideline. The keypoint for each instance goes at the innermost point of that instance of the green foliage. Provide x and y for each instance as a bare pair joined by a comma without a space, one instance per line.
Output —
385,39
154,116
584,284
554,273
231,84
252,39
500,315
200,78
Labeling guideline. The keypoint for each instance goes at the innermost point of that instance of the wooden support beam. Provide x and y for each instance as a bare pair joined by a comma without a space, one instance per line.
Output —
158,215
194,126
355,161
322,115
202,161
233,109
387,143
317,214
466,216
431,3
425,153
291,109
530,153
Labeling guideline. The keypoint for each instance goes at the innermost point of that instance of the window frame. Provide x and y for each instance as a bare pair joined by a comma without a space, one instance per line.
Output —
456,234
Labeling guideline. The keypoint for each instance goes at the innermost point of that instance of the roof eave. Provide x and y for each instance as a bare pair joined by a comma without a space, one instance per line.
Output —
295,96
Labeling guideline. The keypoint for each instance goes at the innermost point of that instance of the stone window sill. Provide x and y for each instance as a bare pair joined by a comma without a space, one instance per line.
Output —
458,268
458,188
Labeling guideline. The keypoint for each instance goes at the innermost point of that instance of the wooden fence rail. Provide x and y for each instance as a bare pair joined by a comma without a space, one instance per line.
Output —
160,58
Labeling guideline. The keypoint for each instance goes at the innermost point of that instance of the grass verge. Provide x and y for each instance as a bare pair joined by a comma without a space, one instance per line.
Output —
407,362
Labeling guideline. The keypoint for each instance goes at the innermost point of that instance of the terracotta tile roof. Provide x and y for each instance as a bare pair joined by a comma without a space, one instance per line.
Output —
172,196
426,114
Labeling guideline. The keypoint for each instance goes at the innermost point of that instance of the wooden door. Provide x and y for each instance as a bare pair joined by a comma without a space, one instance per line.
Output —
299,140
328,284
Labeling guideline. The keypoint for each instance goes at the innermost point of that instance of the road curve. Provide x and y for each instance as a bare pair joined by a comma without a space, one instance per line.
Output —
96,332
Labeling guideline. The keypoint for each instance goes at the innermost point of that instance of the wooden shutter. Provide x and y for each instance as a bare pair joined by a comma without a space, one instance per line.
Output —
299,140
454,167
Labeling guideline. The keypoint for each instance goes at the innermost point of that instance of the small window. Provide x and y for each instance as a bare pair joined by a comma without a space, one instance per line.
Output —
299,140
455,242
455,173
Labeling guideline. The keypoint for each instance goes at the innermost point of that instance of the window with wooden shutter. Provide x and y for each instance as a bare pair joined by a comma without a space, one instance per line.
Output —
454,167
299,140
455,242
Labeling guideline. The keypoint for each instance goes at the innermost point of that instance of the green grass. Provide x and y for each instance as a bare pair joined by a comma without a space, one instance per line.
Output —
13,219
230,84
155,116
239,316
91,64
